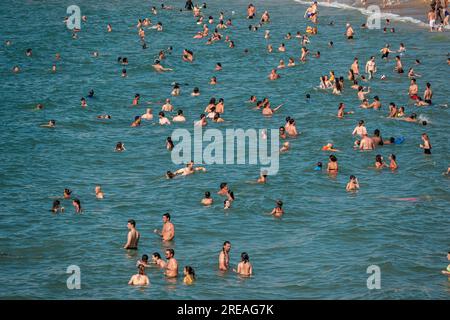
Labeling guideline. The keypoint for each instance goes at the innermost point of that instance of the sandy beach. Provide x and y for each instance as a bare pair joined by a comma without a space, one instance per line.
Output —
416,9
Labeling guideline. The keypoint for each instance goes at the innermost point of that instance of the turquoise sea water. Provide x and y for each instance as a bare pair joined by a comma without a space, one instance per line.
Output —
323,245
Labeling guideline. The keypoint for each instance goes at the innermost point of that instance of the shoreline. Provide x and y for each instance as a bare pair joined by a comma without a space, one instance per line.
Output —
413,11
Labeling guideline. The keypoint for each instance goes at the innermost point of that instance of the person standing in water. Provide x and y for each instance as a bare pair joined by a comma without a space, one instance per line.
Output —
77,205
393,164
171,268
207,200
133,236
224,256
189,275
278,210
99,193
428,94
332,165
168,230
352,184
371,67
426,146
413,90
244,267
139,279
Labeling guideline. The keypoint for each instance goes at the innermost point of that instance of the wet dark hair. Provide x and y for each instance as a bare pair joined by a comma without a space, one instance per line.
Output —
212,100
68,191
156,255
279,203
319,164
376,132
333,158
161,113
196,90
171,251
378,158
167,215
245,257
170,142
180,112
55,205
223,185
393,156
144,257
308,96
190,271
132,222
392,139
231,195
424,123
207,194
170,174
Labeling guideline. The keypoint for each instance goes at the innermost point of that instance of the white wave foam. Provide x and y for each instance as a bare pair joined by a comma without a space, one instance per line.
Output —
383,15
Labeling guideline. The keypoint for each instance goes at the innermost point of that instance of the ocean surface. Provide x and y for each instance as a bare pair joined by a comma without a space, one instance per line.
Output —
320,249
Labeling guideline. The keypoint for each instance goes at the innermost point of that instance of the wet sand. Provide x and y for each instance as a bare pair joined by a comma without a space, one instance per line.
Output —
416,9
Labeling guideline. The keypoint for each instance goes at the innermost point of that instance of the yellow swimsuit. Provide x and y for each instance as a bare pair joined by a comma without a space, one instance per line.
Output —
188,280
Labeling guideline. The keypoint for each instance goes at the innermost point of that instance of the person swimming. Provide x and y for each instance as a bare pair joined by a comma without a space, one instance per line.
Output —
278,210
120,147
329,147
57,207
77,205
50,124
318,166
207,200
262,178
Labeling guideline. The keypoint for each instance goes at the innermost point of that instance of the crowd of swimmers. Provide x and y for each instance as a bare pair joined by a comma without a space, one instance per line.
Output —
216,108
